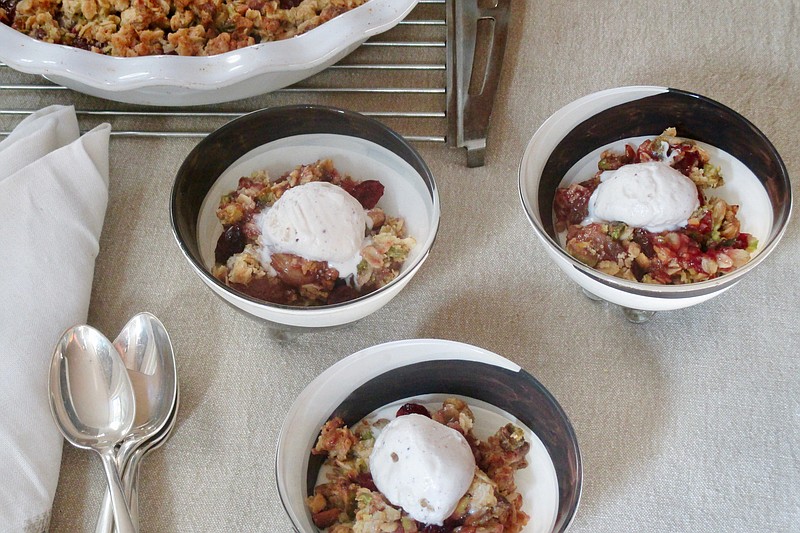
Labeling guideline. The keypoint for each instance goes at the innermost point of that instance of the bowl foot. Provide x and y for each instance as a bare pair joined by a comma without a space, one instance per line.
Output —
288,334
637,316
593,297
283,335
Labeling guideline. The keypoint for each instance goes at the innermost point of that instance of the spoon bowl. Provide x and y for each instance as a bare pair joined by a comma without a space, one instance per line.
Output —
146,351
91,395
91,398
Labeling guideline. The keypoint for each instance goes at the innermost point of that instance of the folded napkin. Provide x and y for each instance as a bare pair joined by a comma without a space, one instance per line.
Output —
53,196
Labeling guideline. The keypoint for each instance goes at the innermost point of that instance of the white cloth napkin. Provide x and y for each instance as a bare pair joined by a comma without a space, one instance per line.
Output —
53,196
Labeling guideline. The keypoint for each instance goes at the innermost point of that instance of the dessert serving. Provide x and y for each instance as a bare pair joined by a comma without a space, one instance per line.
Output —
645,215
311,237
566,150
420,472
334,144
488,402
129,28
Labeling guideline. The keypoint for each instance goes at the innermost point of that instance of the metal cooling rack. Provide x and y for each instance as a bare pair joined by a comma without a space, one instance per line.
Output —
441,66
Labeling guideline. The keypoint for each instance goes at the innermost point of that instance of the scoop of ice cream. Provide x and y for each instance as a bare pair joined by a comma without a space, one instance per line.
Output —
653,196
422,466
318,221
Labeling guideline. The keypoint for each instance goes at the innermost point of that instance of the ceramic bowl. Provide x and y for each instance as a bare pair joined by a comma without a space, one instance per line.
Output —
182,81
427,371
278,139
565,149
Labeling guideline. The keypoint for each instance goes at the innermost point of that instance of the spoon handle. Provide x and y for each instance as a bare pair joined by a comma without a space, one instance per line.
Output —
129,466
132,485
122,516
105,520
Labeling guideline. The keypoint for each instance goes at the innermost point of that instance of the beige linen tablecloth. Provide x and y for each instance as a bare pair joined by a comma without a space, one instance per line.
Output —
690,422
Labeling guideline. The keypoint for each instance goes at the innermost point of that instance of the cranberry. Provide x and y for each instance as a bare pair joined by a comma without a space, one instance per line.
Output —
572,203
245,183
83,44
289,4
630,154
10,8
231,242
645,152
431,528
706,224
693,260
638,271
342,293
367,192
642,238
365,480
742,241
688,158
413,409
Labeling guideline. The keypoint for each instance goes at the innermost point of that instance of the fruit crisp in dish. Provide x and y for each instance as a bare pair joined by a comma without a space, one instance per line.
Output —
644,215
421,472
129,28
311,237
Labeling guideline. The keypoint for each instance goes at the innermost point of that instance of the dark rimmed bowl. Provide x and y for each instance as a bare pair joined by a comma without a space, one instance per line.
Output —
283,137
606,117
386,373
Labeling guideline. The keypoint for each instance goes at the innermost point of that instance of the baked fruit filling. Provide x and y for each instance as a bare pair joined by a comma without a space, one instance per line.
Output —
311,237
657,247
350,501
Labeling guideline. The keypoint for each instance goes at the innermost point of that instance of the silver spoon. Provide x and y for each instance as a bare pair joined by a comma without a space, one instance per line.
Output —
91,398
131,475
146,350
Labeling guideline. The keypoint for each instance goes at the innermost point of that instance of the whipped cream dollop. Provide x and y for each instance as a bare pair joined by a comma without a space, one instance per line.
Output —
318,221
422,466
652,195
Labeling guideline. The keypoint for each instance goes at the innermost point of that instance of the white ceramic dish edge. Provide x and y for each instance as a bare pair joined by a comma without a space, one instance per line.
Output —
175,80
